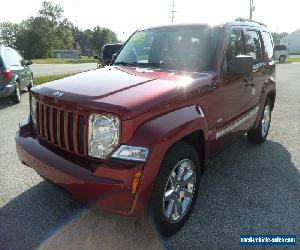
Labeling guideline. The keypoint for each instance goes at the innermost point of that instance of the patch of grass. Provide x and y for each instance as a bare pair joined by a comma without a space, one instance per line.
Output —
294,59
43,79
83,59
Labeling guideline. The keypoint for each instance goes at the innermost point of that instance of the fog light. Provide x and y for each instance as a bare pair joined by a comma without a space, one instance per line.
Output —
131,153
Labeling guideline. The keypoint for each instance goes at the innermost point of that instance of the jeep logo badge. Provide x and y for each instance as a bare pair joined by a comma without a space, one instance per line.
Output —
57,93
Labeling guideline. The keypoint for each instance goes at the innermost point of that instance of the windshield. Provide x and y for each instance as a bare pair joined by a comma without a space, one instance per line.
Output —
174,48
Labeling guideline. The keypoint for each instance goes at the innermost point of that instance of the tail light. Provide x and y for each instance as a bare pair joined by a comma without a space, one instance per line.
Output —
6,74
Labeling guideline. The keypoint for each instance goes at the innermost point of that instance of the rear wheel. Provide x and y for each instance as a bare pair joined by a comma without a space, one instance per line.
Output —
17,94
259,134
176,189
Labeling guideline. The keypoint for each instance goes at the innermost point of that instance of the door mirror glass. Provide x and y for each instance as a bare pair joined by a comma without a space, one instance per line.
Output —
241,65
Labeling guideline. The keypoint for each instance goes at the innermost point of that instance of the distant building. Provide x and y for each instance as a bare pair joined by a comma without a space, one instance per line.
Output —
292,42
66,54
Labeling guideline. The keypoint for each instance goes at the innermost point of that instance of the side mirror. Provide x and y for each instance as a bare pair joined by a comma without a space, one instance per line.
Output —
241,65
29,62
96,57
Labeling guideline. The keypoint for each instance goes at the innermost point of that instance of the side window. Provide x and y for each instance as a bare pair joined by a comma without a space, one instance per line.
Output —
269,47
12,57
253,45
1,63
235,47
235,44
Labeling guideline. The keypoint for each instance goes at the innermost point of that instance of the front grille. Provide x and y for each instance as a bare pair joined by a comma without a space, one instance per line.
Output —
62,127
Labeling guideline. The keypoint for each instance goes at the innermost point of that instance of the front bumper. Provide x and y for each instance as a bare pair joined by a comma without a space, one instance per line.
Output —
7,90
109,187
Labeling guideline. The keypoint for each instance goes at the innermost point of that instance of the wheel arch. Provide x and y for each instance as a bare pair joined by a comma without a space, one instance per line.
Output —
161,134
272,96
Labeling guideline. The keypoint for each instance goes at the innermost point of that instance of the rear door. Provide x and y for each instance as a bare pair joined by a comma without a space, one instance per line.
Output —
254,84
269,54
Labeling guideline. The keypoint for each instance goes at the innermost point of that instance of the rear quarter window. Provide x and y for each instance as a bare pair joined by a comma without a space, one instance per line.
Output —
280,47
268,44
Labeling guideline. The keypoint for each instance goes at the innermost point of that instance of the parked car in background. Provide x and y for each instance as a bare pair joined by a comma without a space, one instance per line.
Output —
107,53
136,135
281,53
15,74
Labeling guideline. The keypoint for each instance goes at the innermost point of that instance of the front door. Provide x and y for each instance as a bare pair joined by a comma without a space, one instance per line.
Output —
234,86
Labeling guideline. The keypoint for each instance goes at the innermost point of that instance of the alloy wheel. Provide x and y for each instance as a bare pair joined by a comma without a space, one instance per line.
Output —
265,123
179,191
18,93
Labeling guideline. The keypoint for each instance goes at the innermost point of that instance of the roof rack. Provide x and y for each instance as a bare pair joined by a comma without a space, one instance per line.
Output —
240,19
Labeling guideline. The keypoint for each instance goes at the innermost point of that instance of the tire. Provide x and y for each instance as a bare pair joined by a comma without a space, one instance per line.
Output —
31,84
168,197
17,94
260,133
282,59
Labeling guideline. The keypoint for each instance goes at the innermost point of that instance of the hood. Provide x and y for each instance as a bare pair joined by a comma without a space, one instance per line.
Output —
122,90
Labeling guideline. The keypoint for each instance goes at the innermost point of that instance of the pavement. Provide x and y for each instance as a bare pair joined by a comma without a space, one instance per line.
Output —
57,69
245,189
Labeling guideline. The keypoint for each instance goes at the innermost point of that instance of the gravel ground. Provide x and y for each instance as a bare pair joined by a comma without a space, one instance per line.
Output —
246,189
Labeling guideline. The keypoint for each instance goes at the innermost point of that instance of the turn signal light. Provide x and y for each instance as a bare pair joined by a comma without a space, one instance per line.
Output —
136,180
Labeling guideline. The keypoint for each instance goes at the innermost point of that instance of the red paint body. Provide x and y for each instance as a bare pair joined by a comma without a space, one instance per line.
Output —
157,108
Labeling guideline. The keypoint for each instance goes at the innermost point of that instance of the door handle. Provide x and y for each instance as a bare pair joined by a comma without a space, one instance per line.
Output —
248,79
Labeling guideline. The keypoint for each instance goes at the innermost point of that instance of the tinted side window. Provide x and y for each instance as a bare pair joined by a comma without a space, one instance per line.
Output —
253,45
277,47
235,44
12,57
235,47
1,63
269,51
283,47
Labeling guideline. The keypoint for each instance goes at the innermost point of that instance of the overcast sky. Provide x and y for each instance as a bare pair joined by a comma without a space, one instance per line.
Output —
124,17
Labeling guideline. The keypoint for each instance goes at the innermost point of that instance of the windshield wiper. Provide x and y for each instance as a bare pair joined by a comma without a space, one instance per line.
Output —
125,63
152,65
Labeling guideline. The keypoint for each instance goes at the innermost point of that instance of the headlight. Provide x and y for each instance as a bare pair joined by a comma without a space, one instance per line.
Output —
104,135
33,110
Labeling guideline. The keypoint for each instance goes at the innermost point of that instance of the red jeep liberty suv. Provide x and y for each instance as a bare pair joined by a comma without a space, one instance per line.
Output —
134,136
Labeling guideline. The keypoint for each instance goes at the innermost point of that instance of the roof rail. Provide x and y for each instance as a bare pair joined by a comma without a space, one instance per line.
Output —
240,19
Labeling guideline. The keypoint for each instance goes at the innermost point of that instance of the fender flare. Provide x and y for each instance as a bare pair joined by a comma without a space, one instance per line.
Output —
269,88
158,135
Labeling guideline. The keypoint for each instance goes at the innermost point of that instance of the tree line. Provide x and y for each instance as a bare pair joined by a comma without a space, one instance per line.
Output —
38,37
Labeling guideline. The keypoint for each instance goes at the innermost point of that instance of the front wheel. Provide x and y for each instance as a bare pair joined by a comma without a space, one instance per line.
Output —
282,59
176,189
31,83
259,134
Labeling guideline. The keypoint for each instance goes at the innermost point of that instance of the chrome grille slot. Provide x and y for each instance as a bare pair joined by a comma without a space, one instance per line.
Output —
62,128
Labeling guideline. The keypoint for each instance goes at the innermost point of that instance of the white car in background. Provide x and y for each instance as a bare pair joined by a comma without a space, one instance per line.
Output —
281,53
